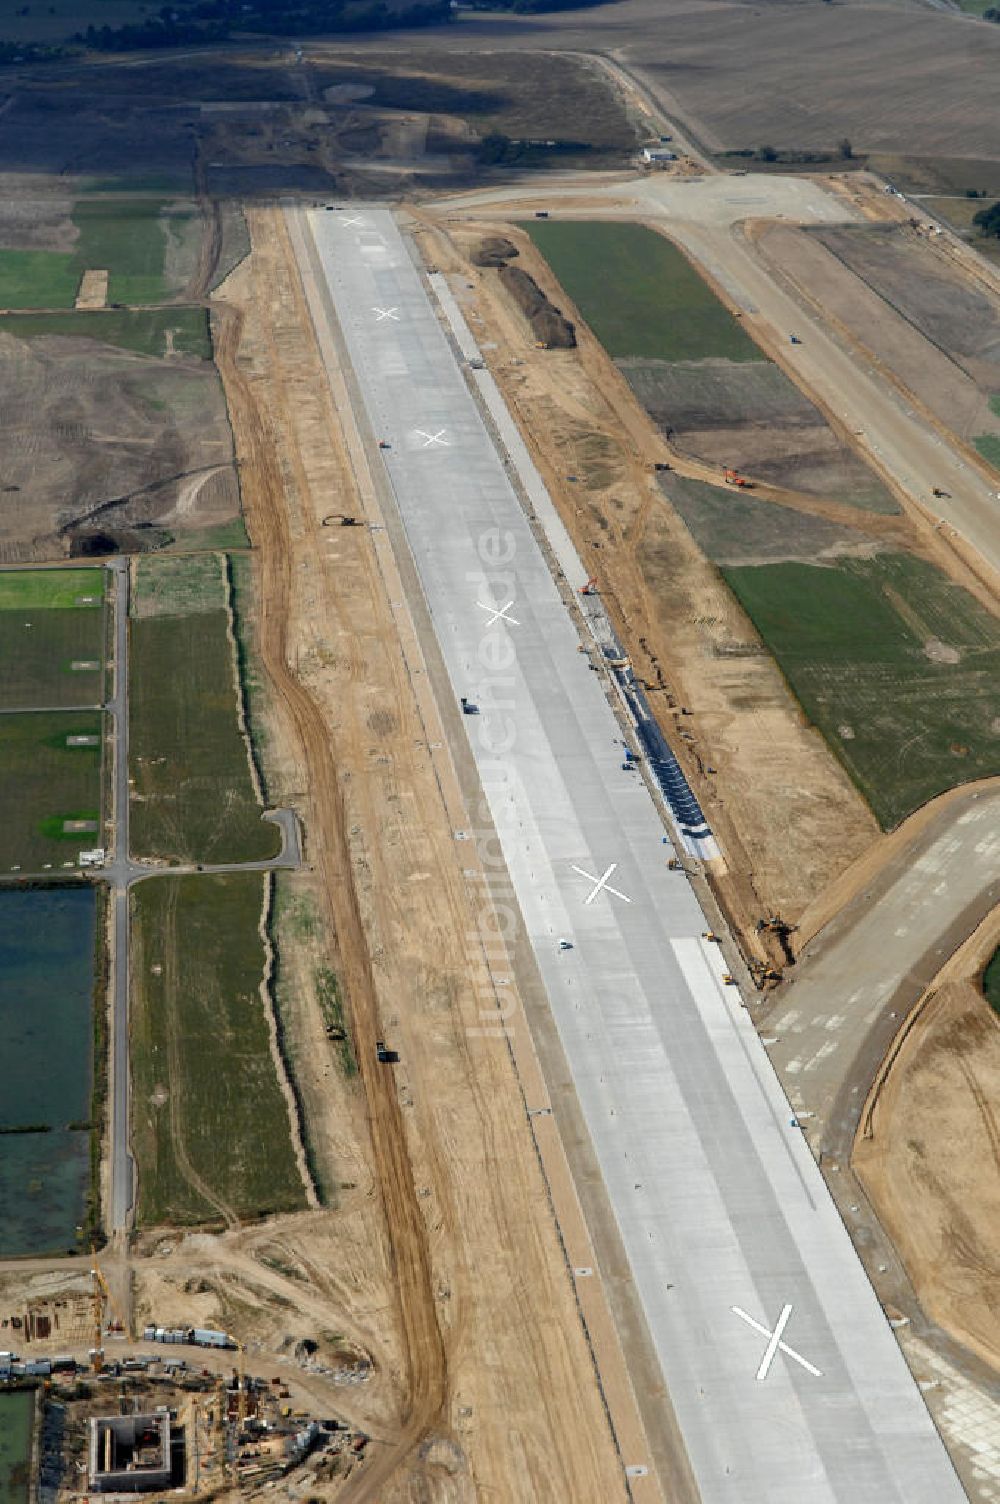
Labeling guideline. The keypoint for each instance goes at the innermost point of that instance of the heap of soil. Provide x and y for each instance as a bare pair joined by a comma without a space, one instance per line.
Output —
547,323
495,250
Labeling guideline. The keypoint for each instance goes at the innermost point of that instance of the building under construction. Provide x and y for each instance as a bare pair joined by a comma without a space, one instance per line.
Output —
130,1453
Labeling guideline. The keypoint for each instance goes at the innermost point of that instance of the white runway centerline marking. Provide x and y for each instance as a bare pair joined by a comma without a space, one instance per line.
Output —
499,613
431,439
386,313
601,883
775,1343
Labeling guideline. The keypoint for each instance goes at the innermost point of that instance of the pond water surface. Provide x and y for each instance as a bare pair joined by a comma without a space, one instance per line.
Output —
46,1065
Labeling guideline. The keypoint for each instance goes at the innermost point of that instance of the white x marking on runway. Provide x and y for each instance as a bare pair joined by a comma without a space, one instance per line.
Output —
601,883
434,438
499,613
386,313
775,1343
354,221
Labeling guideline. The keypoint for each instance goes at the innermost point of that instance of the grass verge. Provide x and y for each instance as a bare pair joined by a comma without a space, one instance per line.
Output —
991,981
639,294
988,445
210,1124
897,667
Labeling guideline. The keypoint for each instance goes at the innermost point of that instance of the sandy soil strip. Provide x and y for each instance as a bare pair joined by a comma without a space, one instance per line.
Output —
93,290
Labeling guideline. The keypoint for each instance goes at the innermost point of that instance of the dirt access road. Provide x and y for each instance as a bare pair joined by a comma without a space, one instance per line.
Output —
497,1386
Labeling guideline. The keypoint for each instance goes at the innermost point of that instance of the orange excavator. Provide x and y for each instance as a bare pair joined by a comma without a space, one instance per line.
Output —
734,478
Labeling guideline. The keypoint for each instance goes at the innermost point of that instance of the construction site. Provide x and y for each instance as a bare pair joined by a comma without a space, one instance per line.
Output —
539,1041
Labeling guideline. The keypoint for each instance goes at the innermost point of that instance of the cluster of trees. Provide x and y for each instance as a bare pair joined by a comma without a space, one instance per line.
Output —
991,13
532,7
32,52
214,20
988,220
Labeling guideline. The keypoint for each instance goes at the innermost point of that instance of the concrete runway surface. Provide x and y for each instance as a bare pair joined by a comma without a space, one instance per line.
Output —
786,1379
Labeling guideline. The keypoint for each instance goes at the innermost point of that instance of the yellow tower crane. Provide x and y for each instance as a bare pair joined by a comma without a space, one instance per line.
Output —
99,1296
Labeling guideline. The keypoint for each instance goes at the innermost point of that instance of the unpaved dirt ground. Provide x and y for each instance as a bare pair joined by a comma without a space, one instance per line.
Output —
946,365
493,1391
787,817
928,1150
96,438
749,415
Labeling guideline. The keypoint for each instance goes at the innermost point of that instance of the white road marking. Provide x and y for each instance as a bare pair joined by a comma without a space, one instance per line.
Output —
775,1344
386,313
601,883
434,438
357,220
499,613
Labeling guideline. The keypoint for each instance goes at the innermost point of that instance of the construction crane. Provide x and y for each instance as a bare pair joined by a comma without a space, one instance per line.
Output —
241,1393
100,1294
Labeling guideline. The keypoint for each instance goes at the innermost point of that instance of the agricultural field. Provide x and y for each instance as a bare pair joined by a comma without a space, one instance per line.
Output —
806,76
194,798
523,96
211,1130
692,365
52,638
107,449
148,246
154,332
897,667
50,787
36,279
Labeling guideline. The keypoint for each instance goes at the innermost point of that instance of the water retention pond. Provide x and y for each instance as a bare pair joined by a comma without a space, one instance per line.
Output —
47,954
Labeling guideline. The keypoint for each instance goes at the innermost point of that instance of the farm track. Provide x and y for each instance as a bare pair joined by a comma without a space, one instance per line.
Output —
425,1368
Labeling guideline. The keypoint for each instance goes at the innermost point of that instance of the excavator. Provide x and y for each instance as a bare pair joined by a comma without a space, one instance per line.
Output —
734,478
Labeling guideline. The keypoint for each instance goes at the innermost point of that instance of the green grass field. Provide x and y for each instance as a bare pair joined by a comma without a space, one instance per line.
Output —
37,279
51,646
991,981
988,445
41,589
181,586
865,647
127,237
639,295
210,1126
43,784
193,798
146,331
51,658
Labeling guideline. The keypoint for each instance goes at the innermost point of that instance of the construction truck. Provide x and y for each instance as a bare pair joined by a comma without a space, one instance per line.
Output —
469,707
